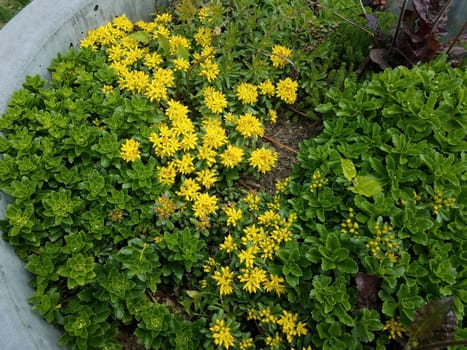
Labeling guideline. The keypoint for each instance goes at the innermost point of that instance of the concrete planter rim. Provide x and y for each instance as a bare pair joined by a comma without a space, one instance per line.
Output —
27,45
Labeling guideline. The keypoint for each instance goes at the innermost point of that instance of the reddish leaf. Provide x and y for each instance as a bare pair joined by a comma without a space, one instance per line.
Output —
431,318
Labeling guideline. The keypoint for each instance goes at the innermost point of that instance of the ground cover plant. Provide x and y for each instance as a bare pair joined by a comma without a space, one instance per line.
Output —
8,8
133,200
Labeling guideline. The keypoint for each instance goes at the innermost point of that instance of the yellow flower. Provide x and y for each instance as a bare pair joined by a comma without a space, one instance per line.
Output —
181,64
209,264
394,327
290,326
214,134
135,81
234,215
176,41
246,343
279,55
272,114
207,177
189,141
123,23
203,36
281,185
268,218
189,189
230,118
167,175
164,207
252,279
247,256
263,159
253,234
224,280
280,234
267,88
209,70
222,335
274,284
129,151
185,164
160,31
156,91
207,153
268,247
183,126
106,89
286,90
164,18
165,77
272,342
176,110
165,143
152,60
133,55
247,93
232,156
214,100
249,126
266,316
252,199
204,205
228,245
206,13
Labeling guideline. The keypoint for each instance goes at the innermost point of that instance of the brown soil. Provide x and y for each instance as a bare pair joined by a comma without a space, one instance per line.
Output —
285,137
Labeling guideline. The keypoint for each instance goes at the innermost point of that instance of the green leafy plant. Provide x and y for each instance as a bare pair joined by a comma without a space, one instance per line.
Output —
127,176
403,221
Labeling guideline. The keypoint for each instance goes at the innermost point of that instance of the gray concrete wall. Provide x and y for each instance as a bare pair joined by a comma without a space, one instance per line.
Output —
27,45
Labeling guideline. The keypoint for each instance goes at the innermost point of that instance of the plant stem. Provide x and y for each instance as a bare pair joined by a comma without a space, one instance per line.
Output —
456,38
280,145
440,14
363,7
399,24
442,344
354,24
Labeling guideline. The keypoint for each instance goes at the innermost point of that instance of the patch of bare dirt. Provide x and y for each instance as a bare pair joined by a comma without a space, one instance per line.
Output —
285,137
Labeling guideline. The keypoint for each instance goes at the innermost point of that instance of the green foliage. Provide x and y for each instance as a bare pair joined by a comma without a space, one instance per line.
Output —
127,208
391,197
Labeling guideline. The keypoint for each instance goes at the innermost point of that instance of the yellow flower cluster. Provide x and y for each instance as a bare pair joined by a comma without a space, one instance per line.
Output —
385,243
290,325
164,207
201,129
222,335
349,225
394,328
439,202
286,90
258,242
178,142
129,151
317,181
279,55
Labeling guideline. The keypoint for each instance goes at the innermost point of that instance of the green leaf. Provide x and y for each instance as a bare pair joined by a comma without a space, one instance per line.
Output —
348,168
366,186
141,36
367,322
